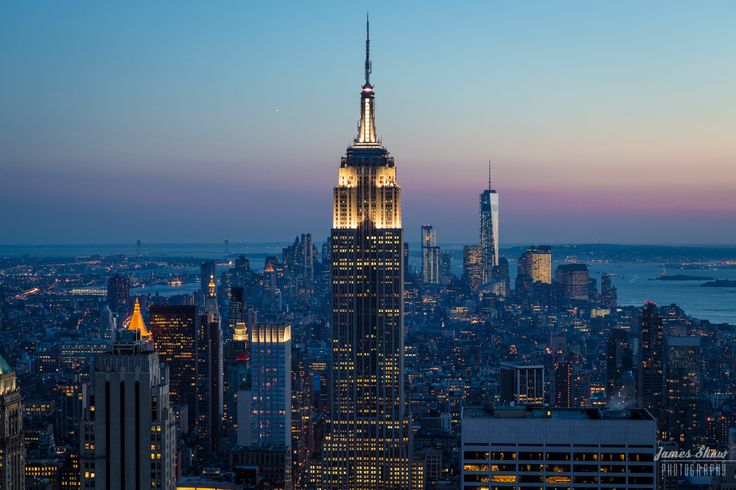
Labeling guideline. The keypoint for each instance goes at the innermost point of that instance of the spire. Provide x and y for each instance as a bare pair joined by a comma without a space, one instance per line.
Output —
212,286
367,127
368,65
136,321
489,175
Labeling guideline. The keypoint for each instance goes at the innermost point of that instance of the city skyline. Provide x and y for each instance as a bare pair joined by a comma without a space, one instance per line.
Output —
111,119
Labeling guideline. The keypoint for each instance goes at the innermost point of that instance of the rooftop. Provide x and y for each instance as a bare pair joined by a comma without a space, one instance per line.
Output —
527,412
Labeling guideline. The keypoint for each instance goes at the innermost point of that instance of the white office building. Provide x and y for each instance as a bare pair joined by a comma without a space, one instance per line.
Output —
533,448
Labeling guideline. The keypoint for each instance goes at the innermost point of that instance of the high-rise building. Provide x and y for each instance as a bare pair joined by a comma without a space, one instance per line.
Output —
522,384
619,366
609,295
207,270
407,266
271,385
573,281
501,278
128,428
682,419
536,264
237,353
564,381
12,452
118,295
264,407
209,410
368,442
299,262
558,448
430,256
174,331
489,229
445,267
650,388
472,266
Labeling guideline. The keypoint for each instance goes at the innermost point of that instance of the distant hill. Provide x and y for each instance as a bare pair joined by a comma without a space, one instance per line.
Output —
633,253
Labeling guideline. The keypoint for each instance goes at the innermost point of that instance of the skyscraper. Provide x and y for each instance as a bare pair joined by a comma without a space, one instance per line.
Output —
536,264
128,427
236,352
174,330
472,267
210,374
118,295
271,385
609,295
489,228
368,443
682,419
619,364
430,256
573,281
12,453
265,407
445,267
207,269
651,370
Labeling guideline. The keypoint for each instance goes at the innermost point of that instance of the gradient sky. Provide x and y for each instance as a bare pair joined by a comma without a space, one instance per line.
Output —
201,121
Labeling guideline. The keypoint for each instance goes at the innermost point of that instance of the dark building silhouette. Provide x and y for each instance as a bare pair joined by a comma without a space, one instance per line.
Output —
651,370
174,331
472,267
619,362
683,419
573,282
207,269
118,295
609,295
210,376
522,384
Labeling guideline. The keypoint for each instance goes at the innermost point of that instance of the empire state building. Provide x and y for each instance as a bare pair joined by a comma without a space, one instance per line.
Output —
367,446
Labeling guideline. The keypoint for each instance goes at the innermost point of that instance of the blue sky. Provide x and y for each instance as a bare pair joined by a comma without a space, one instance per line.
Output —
200,121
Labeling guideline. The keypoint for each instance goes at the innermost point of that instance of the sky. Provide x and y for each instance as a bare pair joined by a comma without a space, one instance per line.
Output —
610,122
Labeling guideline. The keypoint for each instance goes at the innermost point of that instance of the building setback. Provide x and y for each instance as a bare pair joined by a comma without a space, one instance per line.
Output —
128,433
368,442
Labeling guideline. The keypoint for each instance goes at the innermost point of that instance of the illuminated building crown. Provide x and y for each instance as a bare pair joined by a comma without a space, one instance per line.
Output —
135,321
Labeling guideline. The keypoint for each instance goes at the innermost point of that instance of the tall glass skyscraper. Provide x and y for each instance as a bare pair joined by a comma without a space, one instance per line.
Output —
368,442
489,229
430,256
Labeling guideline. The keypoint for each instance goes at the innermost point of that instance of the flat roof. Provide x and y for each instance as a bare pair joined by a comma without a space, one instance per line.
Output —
528,412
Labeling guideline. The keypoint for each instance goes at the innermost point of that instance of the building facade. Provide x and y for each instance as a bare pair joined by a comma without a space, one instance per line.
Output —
558,448
270,421
12,452
489,229
174,330
368,442
209,410
430,256
522,384
128,430
472,267
650,389
536,264
573,281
